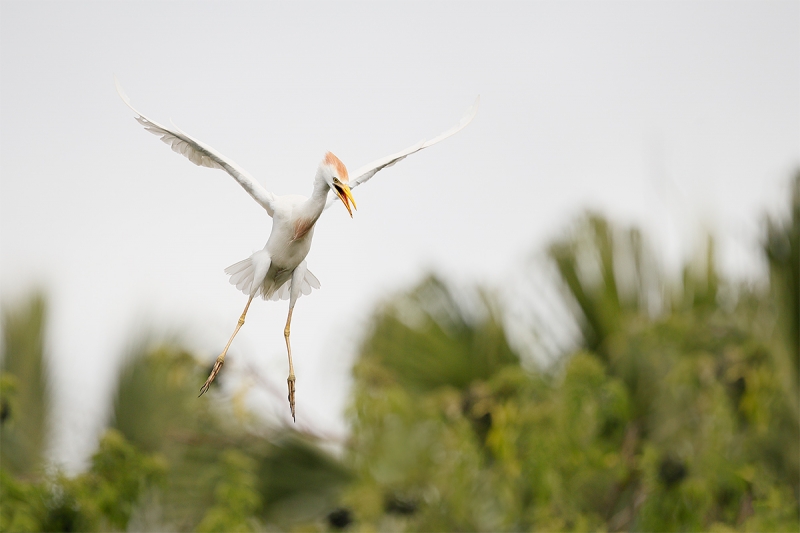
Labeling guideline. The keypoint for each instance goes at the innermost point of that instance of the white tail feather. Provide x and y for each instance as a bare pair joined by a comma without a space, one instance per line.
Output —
251,277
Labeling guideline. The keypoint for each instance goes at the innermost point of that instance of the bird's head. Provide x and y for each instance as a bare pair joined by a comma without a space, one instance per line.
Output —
335,175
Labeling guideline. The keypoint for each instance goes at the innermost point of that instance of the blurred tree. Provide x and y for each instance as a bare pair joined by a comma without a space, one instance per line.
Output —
236,498
221,475
782,246
424,407
170,462
428,339
104,497
101,499
22,504
24,393
673,416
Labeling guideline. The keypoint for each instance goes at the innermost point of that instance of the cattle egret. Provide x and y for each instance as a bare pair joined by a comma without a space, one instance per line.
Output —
279,271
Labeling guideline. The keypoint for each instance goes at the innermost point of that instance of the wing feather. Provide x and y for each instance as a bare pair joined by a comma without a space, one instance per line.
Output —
365,173
201,154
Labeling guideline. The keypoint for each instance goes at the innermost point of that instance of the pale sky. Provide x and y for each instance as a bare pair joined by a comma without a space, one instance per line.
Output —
676,116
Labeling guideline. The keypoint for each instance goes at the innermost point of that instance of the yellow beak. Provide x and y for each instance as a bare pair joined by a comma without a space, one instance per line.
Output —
344,194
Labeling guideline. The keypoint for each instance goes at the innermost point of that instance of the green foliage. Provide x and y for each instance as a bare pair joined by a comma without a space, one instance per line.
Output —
174,462
236,499
24,394
673,417
221,476
119,476
608,275
297,481
151,379
427,339
422,427
101,499
21,504
782,247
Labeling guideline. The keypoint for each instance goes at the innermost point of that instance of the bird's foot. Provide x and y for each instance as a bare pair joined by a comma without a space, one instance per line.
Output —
214,371
290,382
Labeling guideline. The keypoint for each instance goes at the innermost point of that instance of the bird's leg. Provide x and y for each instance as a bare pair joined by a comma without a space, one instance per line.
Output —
290,380
221,359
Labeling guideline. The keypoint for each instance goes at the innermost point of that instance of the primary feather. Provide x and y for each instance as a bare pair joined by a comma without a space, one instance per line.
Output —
201,154
365,173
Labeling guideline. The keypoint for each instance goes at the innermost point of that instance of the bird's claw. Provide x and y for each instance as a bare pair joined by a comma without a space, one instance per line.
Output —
290,382
214,371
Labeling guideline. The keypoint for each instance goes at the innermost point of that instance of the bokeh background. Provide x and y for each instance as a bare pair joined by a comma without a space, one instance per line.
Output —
580,312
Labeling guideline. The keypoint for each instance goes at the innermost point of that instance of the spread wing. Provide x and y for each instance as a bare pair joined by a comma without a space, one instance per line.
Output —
363,174
202,155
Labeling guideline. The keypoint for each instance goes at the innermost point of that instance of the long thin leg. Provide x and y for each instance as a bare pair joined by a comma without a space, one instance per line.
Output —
290,380
221,359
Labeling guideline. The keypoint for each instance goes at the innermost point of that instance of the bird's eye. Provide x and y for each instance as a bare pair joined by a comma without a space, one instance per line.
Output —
336,180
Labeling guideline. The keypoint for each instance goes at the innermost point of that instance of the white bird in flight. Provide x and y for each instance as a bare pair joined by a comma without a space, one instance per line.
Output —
279,271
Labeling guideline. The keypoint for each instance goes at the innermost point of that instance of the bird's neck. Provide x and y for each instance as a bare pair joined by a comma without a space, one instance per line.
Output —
314,206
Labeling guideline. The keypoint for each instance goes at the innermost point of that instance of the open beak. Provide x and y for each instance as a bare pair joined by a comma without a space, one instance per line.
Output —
344,194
